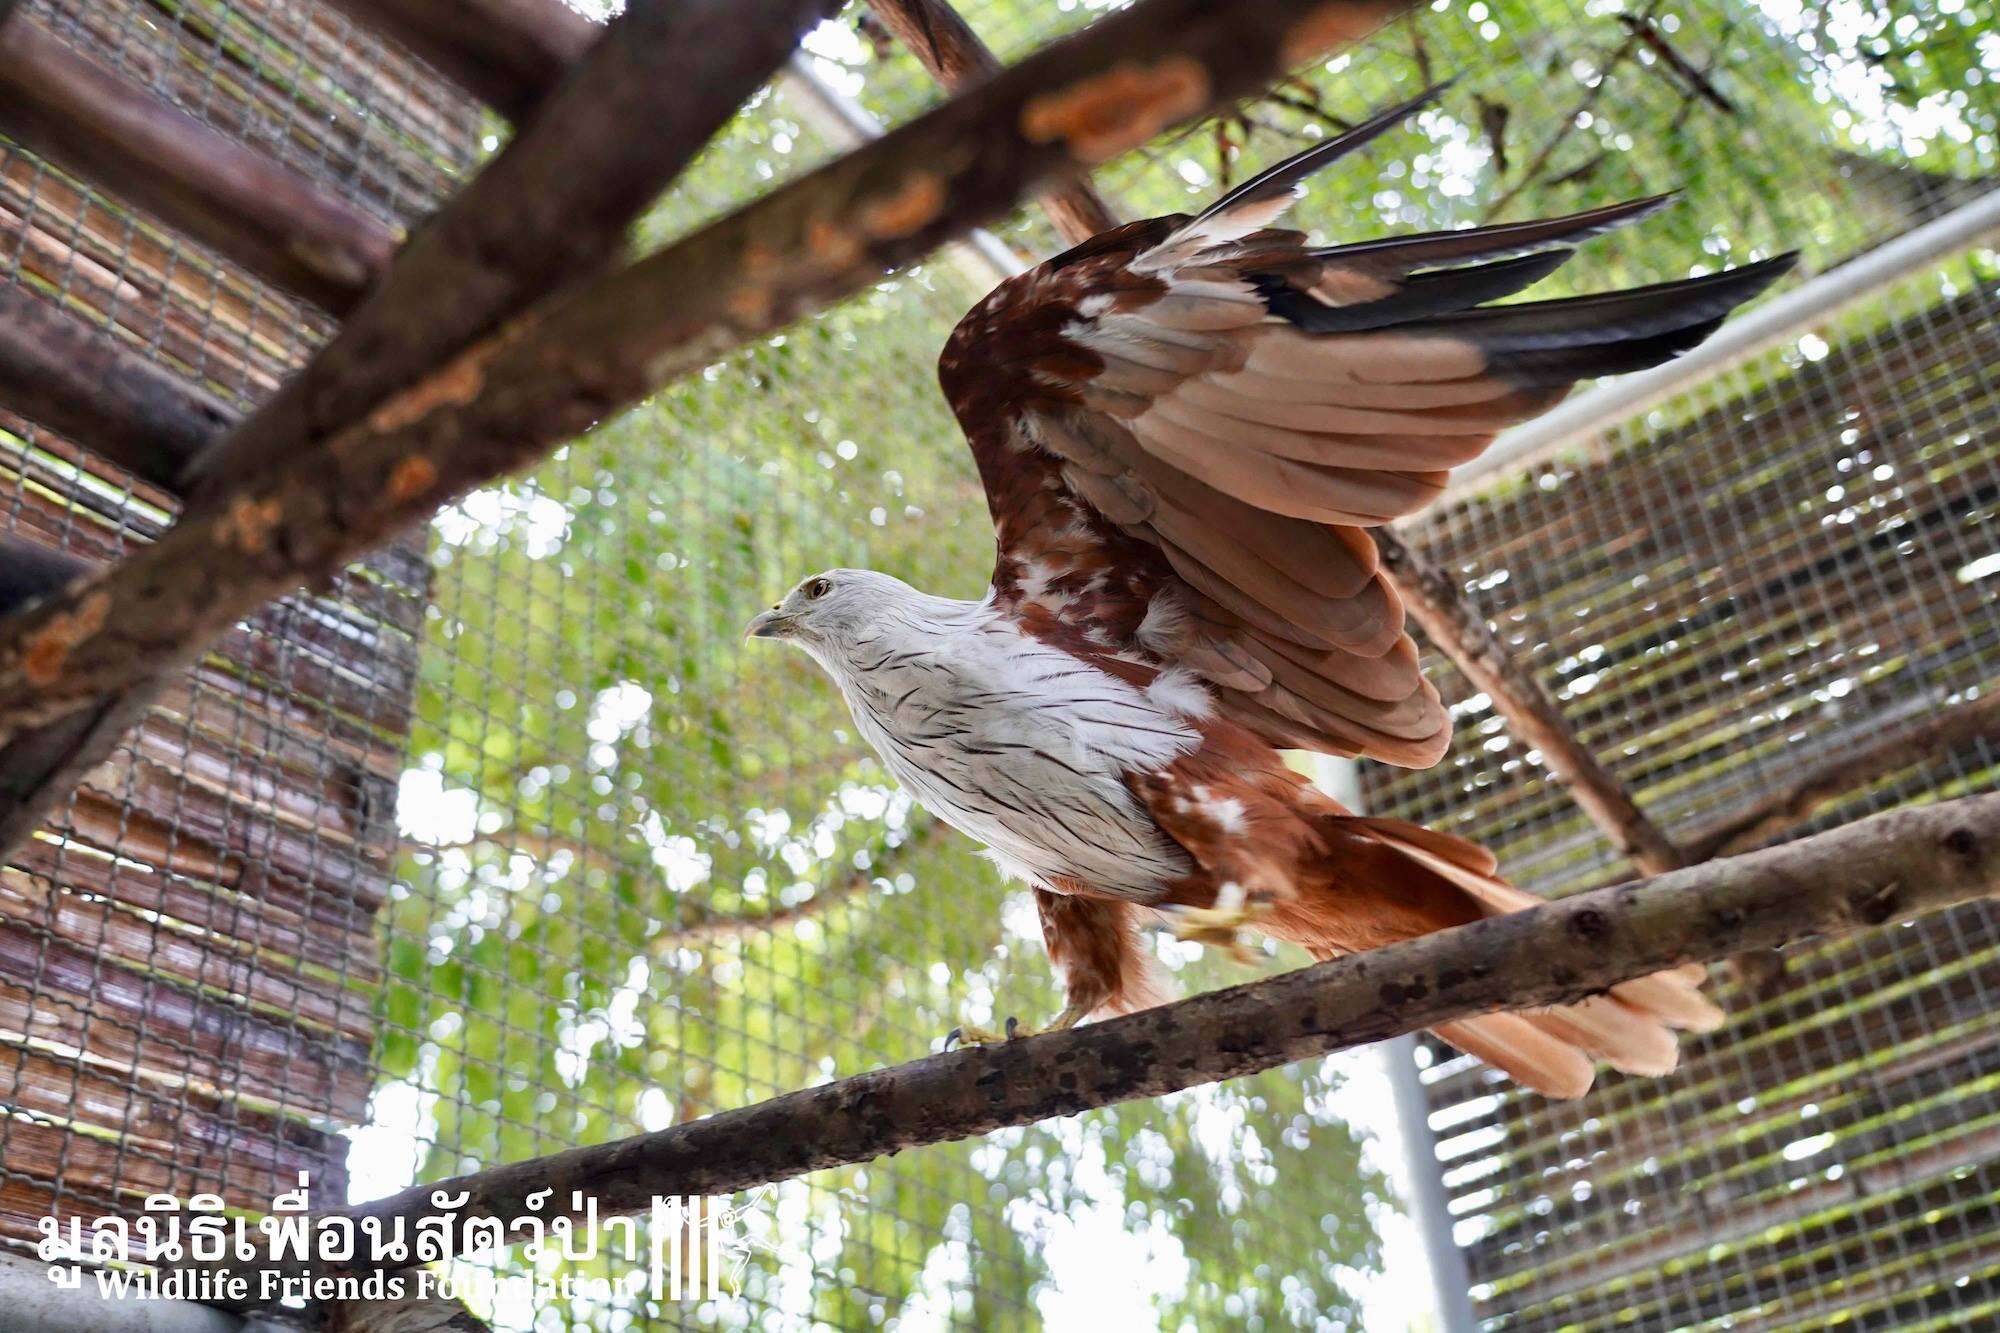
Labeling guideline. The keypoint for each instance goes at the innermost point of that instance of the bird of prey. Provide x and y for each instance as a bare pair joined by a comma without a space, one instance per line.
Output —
1186,428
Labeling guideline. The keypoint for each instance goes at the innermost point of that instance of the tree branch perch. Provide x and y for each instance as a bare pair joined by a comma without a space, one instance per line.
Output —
1871,873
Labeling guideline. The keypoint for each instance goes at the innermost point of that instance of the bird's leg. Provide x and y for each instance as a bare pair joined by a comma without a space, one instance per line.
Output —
1221,925
971,1035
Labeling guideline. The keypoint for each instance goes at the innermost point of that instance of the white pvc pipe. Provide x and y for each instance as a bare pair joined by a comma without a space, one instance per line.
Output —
1781,320
1429,1202
987,259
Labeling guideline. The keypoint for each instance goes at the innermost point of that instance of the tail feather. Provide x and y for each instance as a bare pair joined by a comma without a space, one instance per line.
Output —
1673,999
1387,879
1524,1052
1449,846
1614,1032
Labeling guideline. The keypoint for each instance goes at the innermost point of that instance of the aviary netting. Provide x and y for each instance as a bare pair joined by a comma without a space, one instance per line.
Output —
555,899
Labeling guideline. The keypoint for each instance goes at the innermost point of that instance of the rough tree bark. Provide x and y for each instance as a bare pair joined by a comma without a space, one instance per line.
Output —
506,53
945,44
554,206
197,180
62,373
601,344
1871,873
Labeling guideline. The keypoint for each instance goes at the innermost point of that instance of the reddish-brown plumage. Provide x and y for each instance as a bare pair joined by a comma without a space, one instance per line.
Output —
1009,356
1094,945
1185,428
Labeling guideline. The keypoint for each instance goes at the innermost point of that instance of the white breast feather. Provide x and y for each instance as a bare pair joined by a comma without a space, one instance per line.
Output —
1024,747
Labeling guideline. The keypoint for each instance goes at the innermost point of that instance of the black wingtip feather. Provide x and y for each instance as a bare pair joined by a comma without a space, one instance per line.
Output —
1611,317
1284,175
1503,277
1401,254
1567,365
1422,296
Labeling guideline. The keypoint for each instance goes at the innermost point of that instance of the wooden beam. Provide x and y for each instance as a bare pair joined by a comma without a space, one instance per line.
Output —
77,380
945,44
556,205
1793,799
29,570
1868,874
215,189
506,53
1457,630
553,207
603,343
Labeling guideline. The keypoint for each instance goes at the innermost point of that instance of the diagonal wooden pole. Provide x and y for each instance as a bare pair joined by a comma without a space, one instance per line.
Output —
945,44
553,207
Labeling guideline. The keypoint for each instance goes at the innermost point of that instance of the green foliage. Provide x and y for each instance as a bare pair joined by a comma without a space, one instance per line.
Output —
603,769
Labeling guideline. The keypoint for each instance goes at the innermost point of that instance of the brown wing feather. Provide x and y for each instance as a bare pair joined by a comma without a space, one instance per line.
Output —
1186,427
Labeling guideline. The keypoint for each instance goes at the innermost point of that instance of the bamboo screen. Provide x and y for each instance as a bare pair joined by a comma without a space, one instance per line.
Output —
1772,605
1788,571
189,953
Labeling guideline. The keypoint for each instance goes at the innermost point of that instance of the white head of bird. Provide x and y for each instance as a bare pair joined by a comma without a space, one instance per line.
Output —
834,611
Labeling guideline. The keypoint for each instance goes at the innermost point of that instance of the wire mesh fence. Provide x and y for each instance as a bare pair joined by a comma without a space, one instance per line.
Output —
654,875
638,871
1785,570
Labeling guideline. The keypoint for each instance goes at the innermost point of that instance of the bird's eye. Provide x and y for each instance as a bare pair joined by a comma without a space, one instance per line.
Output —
818,588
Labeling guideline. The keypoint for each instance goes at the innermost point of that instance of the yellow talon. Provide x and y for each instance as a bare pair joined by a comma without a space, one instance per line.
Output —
1222,927
971,1034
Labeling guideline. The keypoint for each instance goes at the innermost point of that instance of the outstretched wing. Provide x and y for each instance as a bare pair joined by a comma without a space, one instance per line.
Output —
1186,426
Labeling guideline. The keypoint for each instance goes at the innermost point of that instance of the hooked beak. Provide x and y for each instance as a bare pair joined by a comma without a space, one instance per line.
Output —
769,625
